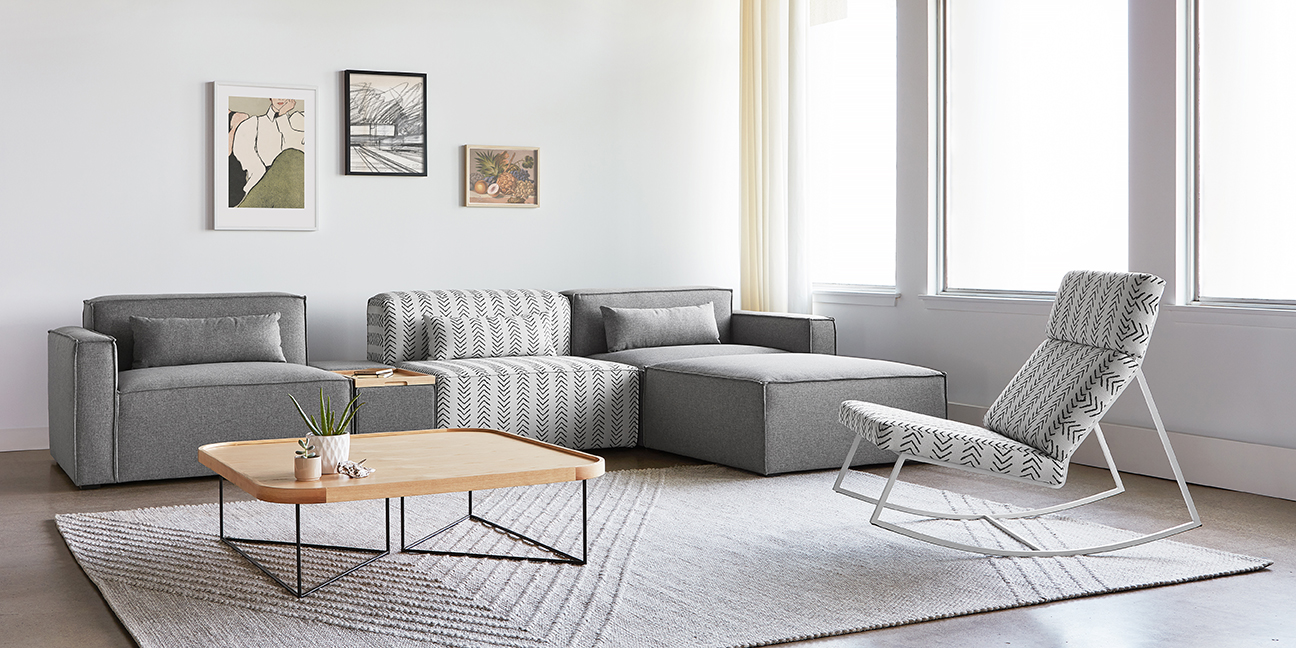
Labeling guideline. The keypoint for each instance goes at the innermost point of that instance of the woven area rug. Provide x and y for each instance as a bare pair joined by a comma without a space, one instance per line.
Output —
690,556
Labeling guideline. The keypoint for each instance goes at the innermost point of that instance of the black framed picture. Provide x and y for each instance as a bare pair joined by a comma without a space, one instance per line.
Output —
386,131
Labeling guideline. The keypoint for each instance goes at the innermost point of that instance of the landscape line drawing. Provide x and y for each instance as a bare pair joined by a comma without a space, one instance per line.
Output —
386,124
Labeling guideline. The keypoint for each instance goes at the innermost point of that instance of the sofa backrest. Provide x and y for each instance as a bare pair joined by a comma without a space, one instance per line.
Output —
588,336
398,328
111,315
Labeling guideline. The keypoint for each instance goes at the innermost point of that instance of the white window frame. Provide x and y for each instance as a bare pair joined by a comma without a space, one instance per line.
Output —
939,295
1189,243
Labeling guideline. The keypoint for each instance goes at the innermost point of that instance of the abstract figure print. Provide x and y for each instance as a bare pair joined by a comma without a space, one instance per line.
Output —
267,150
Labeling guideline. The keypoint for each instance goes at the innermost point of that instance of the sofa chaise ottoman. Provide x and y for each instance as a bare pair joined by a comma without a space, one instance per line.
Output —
776,413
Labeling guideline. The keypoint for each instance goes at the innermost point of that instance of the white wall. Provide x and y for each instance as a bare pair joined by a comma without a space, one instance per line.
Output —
105,173
1219,375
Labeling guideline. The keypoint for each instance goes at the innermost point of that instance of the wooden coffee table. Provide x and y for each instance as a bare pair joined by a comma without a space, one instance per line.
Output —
406,464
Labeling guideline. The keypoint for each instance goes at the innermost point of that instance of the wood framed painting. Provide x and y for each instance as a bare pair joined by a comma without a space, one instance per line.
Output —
263,176
386,123
501,176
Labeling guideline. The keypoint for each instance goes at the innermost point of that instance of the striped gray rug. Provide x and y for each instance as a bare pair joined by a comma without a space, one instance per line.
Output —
691,556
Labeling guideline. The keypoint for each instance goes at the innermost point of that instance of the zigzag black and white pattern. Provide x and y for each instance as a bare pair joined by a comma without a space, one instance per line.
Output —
1098,333
490,337
398,327
566,400
1058,396
1108,310
950,441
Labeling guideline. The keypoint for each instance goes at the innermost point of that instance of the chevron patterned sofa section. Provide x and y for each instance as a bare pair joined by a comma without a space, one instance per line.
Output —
536,362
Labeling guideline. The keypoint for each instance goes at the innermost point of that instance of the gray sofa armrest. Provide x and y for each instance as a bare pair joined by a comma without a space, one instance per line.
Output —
83,404
787,331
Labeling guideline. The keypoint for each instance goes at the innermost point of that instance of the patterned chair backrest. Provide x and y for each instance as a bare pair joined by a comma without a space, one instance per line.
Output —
1098,333
399,329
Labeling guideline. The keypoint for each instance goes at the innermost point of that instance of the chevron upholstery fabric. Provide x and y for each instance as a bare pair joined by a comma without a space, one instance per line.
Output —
566,400
1098,332
1058,396
1097,335
398,327
1108,310
950,441
490,337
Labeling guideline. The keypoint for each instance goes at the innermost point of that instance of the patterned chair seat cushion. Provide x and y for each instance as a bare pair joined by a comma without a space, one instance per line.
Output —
950,442
565,400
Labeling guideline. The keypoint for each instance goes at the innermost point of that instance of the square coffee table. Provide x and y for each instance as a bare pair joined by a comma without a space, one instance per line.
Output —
406,464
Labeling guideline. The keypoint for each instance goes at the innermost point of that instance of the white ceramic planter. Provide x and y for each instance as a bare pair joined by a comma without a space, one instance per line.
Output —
307,469
332,449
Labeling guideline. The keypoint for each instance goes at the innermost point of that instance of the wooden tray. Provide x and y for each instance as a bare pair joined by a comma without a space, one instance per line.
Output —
398,378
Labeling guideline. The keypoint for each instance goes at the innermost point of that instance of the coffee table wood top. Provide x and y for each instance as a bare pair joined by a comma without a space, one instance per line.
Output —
417,462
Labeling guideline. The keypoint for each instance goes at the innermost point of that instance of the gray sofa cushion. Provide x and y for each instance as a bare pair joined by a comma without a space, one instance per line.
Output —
111,315
636,328
653,355
587,334
221,374
797,368
166,413
167,341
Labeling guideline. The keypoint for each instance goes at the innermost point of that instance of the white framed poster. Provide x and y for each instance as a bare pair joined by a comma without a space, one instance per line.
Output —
263,176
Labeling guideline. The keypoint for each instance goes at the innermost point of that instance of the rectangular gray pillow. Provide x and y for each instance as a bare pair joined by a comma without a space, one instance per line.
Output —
170,341
637,328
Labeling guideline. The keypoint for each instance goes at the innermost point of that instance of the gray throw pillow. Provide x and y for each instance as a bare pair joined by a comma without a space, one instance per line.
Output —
169,341
636,328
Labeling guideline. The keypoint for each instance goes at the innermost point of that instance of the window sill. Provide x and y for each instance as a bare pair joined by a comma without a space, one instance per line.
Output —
1259,316
856,297
1017,305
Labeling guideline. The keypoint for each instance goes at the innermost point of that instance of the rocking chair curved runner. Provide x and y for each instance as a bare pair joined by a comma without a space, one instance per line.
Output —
1098,333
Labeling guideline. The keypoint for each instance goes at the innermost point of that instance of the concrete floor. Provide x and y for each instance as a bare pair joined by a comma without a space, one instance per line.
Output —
46,600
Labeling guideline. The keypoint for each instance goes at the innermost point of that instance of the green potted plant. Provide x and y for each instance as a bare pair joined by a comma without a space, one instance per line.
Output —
308,464
332,430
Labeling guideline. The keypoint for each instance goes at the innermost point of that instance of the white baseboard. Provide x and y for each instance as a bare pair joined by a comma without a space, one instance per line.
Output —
1235,465
24,439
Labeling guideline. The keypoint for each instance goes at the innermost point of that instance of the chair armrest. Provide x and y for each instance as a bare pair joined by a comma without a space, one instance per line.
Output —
787,331
83,404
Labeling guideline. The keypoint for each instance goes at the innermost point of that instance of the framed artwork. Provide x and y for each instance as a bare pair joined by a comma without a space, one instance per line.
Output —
263,176
386,123
501,176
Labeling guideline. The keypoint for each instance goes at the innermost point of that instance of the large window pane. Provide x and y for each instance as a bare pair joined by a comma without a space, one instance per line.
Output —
851,148
1246,138
1037,141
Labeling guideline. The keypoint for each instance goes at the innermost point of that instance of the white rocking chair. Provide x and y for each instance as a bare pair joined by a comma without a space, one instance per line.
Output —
1098,332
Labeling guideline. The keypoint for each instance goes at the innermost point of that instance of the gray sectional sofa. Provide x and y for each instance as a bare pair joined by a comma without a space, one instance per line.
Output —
133,400
537,362
147,379
617,368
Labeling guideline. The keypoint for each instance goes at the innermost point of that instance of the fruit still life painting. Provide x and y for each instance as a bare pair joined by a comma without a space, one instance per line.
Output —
501,176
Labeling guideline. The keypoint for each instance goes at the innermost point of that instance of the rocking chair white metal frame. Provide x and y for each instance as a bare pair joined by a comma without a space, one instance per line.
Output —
1074,282
883,502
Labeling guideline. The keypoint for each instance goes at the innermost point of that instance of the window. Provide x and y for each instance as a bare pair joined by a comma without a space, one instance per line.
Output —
851,142
1035,130
1246,132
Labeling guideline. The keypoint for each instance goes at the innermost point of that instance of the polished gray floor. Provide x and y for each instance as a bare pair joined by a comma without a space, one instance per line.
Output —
46,600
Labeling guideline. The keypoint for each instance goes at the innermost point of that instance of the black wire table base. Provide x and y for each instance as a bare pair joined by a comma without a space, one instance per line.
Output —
298,591
559,556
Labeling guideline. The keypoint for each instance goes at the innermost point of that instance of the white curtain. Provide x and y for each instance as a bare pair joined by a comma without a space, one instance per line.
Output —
774,275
